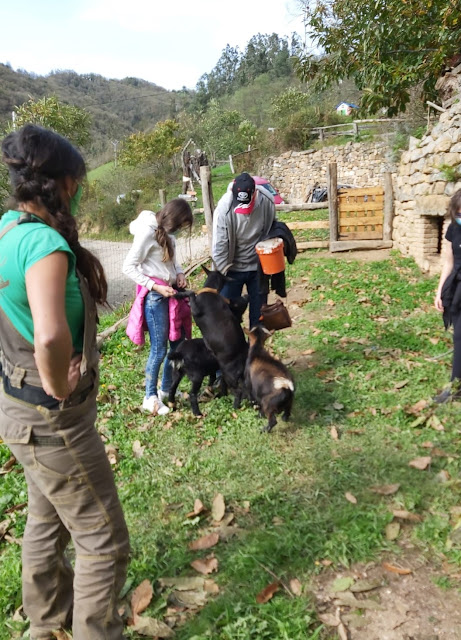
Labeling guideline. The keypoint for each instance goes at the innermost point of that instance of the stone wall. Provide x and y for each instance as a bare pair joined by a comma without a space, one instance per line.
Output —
294,173
422,190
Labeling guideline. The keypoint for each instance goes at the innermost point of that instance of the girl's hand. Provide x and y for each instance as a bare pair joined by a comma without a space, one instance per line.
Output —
165,290
181,281
438,302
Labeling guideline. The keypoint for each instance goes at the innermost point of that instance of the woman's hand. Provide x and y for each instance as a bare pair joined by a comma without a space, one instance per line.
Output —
165,290
181,281
438,302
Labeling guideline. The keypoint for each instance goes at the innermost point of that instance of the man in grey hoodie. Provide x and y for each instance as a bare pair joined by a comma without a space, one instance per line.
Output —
243,217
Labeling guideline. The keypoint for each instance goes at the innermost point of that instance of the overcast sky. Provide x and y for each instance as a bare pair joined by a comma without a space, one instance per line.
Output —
170,43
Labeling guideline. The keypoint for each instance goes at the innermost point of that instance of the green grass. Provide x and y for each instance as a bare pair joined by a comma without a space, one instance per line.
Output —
99,172
371,326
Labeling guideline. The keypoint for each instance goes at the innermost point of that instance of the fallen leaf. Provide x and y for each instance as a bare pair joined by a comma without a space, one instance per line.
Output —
205,565
210,586
141,598
338,406
400,385
406,515
443,476
177,461
9,464
393,569
435,423
342,584
188,599
183,584
386,489
296,587
434,340
417,407
350,497
4,526
392,531
205,542
198,508
218,507
152,627
112,454
138,449
307,352
266,594
334,433
420,463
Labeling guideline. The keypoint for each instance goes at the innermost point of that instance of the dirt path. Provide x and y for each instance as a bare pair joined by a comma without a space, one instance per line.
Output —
112,255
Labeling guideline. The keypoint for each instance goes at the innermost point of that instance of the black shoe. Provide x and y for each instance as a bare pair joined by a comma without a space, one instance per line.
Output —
445,396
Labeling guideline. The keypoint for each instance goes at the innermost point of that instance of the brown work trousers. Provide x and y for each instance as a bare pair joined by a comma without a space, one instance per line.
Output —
72,495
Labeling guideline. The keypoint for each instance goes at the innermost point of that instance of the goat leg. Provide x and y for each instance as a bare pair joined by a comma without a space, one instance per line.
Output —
178,375
271,424
196,384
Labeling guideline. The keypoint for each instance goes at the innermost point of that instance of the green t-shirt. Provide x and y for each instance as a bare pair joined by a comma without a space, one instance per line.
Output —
20,248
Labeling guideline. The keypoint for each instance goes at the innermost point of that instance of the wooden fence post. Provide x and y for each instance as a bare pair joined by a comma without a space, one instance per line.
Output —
388,206
332,187
231,164
208,203
162,196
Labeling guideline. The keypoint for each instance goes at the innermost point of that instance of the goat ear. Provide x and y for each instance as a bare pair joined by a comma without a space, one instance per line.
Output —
207,271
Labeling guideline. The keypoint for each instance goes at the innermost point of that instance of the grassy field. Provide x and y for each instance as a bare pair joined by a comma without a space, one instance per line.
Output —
98,173
366,346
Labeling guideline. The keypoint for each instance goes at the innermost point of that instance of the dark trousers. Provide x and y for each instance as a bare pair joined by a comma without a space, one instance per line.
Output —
234,290
456,367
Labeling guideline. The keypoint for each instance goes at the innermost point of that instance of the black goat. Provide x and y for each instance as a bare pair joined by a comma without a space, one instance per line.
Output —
221,331
193,359
272,386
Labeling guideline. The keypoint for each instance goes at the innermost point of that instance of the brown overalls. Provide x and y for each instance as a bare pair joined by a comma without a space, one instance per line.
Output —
72,493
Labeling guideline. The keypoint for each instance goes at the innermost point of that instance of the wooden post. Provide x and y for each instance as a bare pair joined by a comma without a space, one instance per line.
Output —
208,203
162,196
388,206
231,164
332,187
355,129
321,134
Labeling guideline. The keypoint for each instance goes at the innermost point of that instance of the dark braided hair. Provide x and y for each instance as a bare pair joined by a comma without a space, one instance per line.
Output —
454,205
175,214
38,161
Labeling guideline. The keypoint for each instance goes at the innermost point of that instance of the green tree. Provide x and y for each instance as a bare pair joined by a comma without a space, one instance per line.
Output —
387,46
68,120
152,147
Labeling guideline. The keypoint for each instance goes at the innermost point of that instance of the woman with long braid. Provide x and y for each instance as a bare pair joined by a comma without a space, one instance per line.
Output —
49,285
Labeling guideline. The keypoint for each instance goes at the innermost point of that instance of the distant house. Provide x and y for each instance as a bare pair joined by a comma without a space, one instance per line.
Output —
345,108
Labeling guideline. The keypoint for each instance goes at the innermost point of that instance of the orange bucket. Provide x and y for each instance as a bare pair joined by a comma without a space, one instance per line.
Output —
271,256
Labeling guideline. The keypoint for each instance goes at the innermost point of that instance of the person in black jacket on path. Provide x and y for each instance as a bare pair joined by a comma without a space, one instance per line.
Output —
448,296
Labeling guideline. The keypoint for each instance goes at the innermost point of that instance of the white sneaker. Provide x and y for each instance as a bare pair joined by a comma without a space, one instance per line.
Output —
163,395
155,405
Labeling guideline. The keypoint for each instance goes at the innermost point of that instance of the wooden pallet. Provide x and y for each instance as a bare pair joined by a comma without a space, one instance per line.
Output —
361,213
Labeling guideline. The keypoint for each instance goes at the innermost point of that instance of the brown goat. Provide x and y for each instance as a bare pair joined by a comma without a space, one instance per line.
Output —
271,384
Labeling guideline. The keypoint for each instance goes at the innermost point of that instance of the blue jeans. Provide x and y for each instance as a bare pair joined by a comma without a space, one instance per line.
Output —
156,313
234,290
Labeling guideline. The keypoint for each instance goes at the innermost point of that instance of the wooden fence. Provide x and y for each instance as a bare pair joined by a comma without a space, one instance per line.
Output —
355,127
358,218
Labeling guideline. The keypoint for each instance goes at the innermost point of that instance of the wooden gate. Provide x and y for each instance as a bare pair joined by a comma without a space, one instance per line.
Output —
360,218
361,213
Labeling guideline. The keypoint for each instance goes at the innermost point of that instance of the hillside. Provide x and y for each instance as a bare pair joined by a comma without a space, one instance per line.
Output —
117,107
